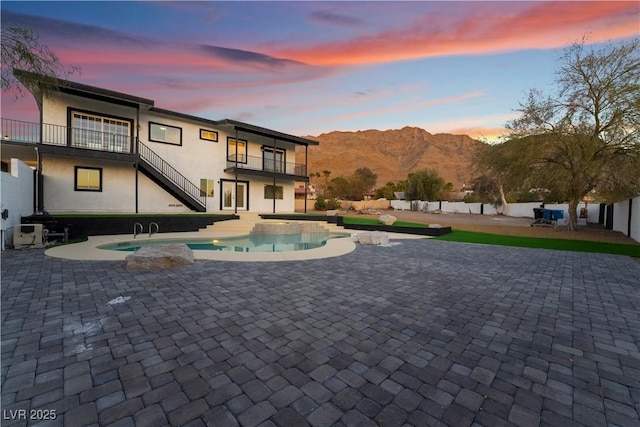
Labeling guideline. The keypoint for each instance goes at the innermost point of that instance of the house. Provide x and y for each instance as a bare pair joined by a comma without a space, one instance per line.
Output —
96,150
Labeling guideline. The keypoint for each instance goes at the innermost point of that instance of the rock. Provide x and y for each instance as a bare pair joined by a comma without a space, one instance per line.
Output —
387,219
373,238
276,228
159,257
435,226
332,212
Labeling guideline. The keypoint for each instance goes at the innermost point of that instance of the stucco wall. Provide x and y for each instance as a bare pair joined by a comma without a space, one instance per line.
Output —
200,159
257,202
118,189
621,218
196,159
521,210
16,190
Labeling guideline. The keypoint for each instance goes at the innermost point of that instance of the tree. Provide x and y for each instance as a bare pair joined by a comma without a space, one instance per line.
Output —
386,192
339,188
368,177
583,137
22,50
424,185
488,190
326,173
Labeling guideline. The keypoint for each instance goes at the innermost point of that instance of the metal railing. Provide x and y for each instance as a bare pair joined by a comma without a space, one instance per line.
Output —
15,130
171,174
267,165
45,133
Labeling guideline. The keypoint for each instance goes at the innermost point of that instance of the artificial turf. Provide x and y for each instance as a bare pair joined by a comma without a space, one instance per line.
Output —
542,243
373,221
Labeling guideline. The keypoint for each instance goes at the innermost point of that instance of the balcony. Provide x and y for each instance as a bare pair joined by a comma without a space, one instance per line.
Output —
266,167
62,136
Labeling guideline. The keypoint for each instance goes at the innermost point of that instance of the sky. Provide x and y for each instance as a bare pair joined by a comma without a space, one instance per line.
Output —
307,68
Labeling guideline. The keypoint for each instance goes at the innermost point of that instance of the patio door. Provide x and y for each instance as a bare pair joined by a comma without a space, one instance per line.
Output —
234,196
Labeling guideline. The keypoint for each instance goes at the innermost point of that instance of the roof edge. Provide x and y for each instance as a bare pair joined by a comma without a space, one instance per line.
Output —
70,86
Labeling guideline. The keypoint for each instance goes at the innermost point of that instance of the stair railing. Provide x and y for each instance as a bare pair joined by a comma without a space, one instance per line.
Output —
172,174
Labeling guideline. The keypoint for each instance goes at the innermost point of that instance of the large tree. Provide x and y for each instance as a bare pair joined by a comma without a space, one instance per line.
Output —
22,50
584,136
424,185
367,176
489,190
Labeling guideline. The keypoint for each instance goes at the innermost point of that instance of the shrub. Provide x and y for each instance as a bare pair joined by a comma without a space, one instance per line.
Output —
320,204
333,204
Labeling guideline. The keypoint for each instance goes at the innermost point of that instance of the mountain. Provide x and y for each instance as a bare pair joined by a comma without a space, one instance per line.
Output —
393,154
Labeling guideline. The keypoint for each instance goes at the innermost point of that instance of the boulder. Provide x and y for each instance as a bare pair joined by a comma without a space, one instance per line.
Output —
373,238
387,219
332,212
159,257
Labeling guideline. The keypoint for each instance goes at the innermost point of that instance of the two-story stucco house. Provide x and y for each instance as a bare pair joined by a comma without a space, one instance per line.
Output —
96,150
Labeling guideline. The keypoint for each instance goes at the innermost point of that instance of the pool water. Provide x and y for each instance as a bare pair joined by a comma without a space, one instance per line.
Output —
248,243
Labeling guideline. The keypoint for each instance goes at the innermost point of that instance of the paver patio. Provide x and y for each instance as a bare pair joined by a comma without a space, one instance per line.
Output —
420,333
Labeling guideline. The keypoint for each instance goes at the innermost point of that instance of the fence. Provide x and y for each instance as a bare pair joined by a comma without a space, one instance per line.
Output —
523,210
626,217
622,216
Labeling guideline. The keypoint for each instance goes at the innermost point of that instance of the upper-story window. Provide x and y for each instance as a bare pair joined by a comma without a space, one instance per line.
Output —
273,159
97,132
209,135
238,147
165,133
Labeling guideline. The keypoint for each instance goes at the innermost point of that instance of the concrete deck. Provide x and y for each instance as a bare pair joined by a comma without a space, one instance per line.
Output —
421,333
89,250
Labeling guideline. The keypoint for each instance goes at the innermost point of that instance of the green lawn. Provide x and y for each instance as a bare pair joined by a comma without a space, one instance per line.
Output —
373,221
542,243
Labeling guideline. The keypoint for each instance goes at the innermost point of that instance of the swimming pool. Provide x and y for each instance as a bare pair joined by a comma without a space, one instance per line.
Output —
248,243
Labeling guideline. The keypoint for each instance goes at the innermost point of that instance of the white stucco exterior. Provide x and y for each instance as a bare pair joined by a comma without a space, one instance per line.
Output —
16,190
193,157
621,221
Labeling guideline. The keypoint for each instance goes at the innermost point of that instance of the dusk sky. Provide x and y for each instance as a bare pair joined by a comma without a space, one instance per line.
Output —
307,68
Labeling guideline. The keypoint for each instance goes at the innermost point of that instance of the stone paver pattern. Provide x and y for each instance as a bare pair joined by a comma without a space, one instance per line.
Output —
419,333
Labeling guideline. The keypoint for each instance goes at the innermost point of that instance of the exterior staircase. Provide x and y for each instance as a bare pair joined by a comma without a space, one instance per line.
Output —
167,177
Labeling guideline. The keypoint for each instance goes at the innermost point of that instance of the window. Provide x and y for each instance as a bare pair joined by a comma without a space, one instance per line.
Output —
165,133
88,179
100,133
273,192
240,146
206,187
209,135
273,160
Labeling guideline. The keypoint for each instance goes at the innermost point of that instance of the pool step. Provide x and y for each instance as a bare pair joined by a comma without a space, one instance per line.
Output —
245,224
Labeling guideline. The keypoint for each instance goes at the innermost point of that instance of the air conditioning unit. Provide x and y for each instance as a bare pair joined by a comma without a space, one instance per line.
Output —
28,236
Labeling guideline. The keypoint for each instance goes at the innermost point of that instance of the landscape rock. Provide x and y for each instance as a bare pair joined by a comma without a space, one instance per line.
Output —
373,238
435,226
332,212
159,257
387,219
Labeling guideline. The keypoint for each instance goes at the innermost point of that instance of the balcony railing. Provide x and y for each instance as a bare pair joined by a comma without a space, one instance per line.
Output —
255,163
19,131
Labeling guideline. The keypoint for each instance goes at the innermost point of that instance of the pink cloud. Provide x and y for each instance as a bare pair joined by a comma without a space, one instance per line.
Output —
541,25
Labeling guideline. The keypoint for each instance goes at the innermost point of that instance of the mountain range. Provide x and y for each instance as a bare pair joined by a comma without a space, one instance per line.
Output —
393,154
